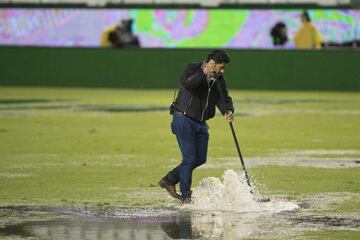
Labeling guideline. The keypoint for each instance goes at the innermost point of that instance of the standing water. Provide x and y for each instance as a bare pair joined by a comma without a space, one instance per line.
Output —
233,194
228,210
220,210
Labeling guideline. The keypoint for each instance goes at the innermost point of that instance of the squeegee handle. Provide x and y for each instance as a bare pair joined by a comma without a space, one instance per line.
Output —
239,153
236,141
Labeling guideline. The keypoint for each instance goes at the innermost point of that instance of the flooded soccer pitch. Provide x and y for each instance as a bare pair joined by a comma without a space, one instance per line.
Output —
220,210
41,222
306,129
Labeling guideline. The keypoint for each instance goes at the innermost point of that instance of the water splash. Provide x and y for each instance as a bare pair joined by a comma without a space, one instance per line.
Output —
233,194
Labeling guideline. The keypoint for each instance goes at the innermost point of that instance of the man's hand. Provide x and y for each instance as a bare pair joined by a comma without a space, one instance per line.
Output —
213,69
210,69
229,116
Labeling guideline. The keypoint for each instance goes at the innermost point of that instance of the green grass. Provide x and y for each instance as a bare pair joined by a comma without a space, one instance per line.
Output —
306,180
332,235
106,146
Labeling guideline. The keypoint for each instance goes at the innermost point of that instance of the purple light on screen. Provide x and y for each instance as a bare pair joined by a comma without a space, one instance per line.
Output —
174,22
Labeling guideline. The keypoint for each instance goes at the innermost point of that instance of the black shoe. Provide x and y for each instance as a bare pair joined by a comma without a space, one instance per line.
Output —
186,200
169,188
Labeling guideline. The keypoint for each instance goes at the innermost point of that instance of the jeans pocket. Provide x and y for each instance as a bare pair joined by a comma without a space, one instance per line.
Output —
172,127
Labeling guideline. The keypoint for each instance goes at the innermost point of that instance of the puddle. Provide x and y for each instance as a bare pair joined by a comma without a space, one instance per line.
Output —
319,162
275,101
324,152
15,175
120,108
92,108
106,223
327,221
159,223
49,104
25,101
233,194
222,209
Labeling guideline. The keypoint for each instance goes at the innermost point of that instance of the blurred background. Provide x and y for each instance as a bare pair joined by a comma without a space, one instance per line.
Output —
192,24
66,42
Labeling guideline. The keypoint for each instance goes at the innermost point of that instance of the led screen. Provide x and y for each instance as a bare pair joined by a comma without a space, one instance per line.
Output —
166,28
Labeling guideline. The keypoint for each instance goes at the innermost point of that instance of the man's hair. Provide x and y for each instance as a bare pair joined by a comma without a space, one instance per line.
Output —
218,56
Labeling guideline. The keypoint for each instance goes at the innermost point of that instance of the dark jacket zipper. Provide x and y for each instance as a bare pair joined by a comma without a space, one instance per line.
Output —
207,101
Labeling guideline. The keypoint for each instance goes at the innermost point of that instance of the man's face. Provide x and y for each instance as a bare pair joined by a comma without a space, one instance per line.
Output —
216,68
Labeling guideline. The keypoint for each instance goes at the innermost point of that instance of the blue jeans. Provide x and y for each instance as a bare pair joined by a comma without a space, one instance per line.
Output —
193,140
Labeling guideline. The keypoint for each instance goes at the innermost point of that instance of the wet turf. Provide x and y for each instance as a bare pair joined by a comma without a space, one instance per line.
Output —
96,147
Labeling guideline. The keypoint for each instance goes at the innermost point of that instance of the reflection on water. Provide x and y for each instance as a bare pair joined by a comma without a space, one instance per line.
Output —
108,224
158,224
128,223
180,227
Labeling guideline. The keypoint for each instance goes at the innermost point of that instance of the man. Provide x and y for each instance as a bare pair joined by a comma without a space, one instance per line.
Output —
202,88
307,36
279,34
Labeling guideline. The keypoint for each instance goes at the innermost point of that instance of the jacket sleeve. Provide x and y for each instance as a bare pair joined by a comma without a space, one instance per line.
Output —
224,101
192,77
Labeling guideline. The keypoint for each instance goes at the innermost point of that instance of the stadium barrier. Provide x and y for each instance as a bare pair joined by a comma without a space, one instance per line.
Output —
335,70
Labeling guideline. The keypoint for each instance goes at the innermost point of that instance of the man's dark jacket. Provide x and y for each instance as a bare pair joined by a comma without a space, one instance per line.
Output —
197,98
